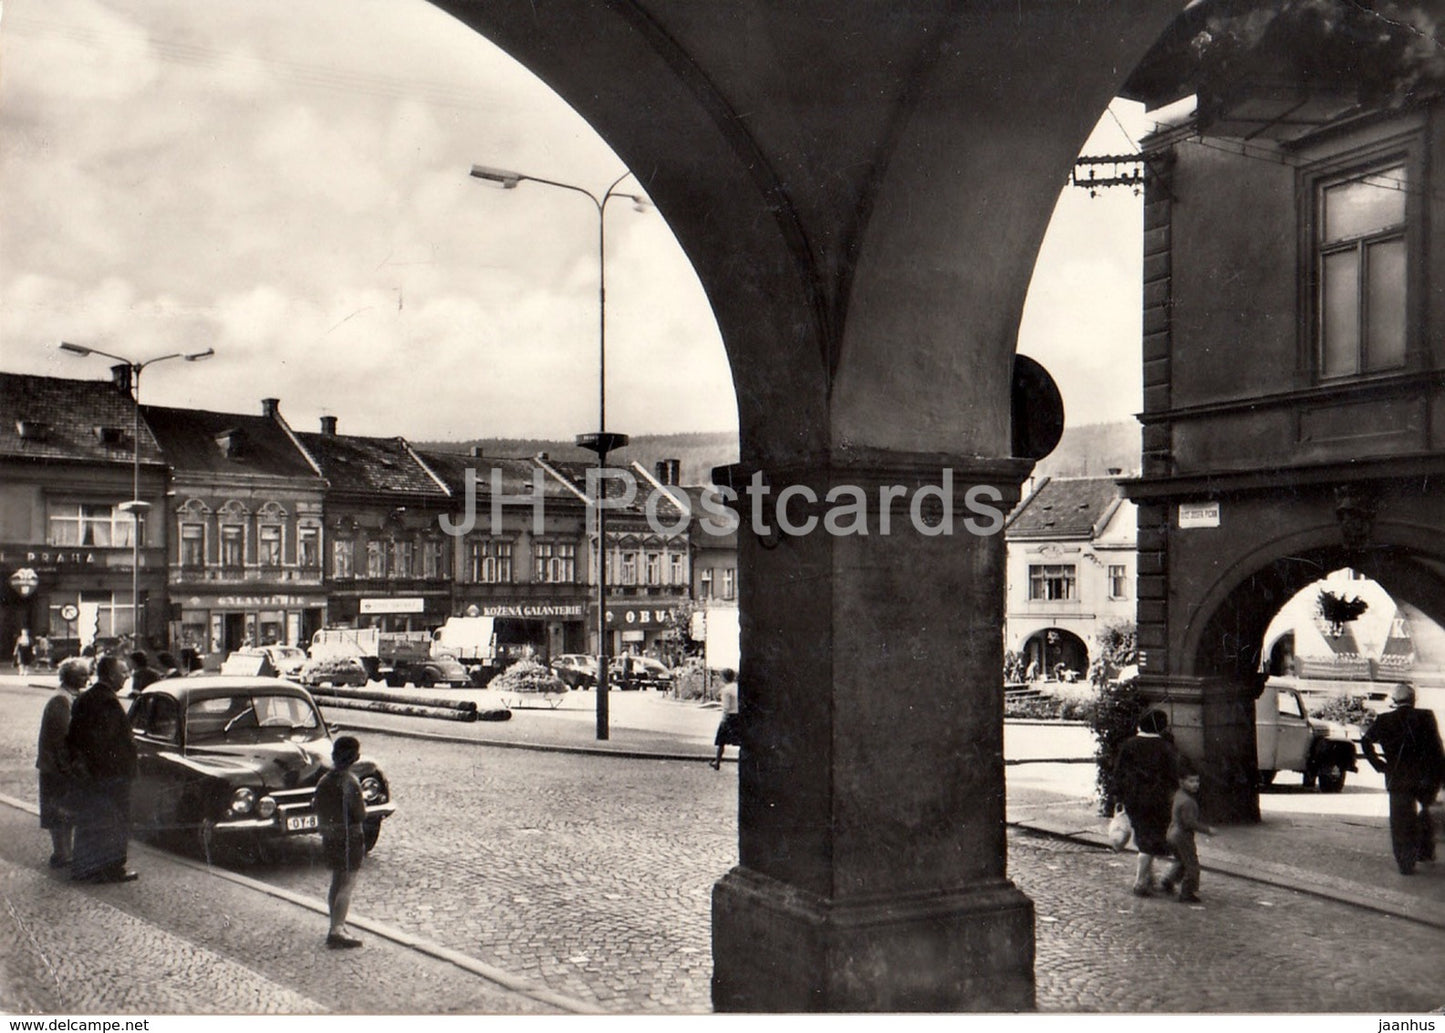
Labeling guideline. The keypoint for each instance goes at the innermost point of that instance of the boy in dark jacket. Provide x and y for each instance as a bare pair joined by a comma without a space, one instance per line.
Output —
1183,824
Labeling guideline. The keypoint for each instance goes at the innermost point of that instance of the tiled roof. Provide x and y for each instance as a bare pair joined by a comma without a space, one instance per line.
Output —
61,417
1066,507
195,441
358,464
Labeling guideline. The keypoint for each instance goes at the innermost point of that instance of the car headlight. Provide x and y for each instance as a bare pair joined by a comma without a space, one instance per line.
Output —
242,800
373,789
265,807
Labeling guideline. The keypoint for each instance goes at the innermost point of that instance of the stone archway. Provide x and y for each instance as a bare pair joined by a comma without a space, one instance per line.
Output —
1052,647
862,189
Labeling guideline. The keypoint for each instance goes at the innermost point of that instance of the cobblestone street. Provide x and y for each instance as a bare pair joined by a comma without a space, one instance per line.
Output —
591,875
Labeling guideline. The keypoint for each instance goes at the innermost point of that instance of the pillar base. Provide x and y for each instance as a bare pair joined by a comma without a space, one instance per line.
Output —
779,949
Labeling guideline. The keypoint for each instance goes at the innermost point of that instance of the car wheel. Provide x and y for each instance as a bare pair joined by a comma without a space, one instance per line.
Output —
370,833
427,681
1332,778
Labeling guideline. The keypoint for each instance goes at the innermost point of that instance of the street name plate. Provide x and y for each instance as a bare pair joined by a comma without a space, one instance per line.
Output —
1199,514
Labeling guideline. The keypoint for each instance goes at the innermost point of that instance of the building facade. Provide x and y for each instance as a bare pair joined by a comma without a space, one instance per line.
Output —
246,530
1071,573
1294,375
70,461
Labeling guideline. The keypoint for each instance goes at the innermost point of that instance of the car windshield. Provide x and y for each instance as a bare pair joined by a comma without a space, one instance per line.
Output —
250,717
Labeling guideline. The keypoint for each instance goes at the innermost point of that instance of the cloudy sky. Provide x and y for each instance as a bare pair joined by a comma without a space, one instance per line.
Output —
286,181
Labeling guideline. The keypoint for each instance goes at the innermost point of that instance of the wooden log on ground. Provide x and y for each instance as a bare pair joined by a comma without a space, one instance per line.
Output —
392,707
391,697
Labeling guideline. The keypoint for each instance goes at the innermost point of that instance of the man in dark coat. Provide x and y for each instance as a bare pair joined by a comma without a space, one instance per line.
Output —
1414,765
103,758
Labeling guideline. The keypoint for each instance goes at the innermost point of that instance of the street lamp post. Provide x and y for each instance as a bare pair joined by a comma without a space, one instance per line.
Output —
136,506
600,442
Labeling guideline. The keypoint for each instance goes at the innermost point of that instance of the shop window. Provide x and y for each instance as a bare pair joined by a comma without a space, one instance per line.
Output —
1052,582
1118,581
193,545
85,524
268,545
233,545
343,558
1361,271
308,547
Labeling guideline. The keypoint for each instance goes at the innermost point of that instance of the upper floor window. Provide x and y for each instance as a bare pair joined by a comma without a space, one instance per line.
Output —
233,545
79,523
679,569
432,563
193,545
1361,266
654,568
375,559
1118,581
704,583
554,562
1052,581
343,558
629,568
400,559
729,583
268,545
491,561
308,547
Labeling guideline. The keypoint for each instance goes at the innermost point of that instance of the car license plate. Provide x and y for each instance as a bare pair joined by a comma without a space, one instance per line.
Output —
301,823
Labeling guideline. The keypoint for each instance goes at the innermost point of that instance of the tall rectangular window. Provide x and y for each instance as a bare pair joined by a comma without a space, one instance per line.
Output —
343,558
375,560
704,583
399,559
1118,581
431,560
1052,582
679,569
1362,271
729,583
308,547
268,545
629,568
554,562
193,545
233,545
654,568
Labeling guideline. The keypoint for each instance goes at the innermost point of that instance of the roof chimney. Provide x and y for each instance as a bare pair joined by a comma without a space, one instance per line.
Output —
328,426
120,376
270,407
668,471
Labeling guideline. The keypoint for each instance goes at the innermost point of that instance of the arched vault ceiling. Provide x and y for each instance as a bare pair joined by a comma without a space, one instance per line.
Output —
817,156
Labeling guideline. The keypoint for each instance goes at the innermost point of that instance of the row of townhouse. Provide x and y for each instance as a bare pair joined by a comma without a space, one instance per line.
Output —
255,532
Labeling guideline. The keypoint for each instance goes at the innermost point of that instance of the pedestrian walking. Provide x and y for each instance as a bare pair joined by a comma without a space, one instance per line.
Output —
52,760
729,729
341,811
1145,779
24,654
103,762
1413,763
1183,824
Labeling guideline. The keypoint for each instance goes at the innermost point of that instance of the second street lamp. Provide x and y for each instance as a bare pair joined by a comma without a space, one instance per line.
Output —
135,506
600,442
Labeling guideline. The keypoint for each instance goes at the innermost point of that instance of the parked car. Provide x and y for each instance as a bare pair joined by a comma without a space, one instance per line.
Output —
639,672
236,757
1288,739
577,670
286,661
335,670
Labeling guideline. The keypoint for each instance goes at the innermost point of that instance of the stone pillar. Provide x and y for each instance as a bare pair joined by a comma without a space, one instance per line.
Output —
871,804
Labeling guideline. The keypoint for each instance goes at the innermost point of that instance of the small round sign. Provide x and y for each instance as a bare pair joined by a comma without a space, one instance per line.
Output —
69,612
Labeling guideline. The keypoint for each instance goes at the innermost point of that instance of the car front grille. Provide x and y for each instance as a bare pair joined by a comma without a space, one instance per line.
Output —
291,802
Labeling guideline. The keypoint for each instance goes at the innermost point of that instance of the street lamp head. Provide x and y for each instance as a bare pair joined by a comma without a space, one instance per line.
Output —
198,356
508,180
74,349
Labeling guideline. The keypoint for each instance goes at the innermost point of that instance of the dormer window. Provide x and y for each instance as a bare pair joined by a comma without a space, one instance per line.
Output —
32,430
231,442
110,435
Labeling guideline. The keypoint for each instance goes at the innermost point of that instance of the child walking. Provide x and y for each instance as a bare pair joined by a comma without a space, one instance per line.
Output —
1183,823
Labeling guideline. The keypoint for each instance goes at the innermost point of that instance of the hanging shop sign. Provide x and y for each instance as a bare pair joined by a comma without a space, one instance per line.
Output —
25,581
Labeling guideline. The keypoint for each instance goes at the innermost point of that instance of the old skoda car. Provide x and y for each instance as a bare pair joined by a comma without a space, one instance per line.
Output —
236,758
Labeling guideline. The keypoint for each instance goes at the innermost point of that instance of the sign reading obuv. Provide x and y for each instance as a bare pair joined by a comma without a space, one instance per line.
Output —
638,616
